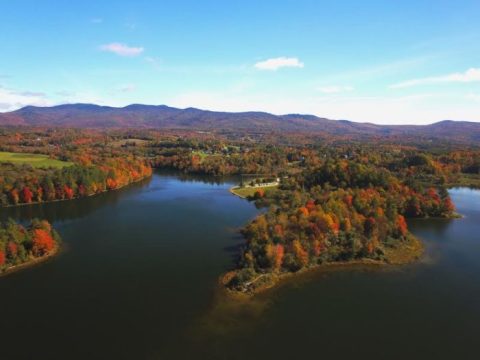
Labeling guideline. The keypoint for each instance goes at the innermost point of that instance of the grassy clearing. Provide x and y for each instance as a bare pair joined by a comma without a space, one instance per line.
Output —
35,160
250,191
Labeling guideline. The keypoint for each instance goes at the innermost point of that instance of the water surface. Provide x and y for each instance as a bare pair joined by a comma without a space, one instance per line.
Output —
137,280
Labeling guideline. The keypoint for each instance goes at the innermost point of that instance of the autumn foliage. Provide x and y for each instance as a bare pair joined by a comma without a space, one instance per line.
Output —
24,186
19,244
343,211
43,242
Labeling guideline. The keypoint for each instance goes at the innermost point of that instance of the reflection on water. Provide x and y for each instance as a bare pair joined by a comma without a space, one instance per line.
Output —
139,281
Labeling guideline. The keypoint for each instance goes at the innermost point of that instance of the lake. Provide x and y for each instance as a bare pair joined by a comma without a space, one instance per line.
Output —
137,279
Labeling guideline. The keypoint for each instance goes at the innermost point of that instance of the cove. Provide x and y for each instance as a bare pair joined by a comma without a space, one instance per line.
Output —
137,279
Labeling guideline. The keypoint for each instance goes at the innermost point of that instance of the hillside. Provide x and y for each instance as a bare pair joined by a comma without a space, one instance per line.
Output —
165,117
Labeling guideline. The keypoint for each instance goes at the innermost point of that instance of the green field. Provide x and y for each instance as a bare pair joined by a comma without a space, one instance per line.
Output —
245,192
35,160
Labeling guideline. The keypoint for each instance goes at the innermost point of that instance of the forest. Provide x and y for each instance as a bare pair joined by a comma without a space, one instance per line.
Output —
339,200
20,245
92,169
340,211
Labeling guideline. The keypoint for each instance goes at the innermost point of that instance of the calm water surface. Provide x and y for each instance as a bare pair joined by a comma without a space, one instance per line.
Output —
137,280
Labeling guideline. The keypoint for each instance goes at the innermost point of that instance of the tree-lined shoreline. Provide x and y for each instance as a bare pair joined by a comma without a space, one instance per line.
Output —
22,246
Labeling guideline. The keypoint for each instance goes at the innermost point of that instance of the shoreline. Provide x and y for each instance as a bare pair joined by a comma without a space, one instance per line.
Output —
232,191
75,198
402,255
30,263
236,187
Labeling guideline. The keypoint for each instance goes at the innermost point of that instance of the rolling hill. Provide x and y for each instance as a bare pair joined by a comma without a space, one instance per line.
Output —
165,117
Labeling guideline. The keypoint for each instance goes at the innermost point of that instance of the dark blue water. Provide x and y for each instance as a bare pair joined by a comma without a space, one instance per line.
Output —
138,273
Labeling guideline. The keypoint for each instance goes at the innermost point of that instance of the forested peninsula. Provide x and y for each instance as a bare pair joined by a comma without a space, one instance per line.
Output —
340,212
22,246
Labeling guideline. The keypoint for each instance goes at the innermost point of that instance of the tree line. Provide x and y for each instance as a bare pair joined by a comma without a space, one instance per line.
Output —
25,184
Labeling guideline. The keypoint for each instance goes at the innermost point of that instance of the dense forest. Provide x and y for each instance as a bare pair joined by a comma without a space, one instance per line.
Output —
21,245
340,211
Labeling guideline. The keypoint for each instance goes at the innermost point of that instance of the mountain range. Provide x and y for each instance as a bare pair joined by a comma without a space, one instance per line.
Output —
165,117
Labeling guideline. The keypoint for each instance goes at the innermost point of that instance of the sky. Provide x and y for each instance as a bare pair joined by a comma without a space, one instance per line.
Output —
386,62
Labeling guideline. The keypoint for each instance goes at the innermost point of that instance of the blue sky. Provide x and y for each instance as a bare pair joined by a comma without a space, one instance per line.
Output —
378,61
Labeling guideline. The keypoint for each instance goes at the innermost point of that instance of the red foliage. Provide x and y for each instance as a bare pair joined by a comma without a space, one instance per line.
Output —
69,193
12,249
310,205
448,205
432,193
27,195
43,242
2,258
81,190
278,230
260,193
348,200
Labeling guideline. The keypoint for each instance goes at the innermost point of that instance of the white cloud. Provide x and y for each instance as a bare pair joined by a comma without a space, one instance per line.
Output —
11,100
471,75
335,89
122,49
278,63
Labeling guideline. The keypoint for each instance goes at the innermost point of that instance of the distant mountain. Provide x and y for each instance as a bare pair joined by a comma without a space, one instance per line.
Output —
165,117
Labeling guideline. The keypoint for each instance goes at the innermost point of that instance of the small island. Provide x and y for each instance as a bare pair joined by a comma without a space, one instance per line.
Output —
22,246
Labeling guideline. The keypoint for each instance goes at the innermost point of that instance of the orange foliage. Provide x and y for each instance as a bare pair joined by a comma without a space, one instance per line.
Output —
275,255
43,242
300,253
402,225
111,184
14,196
69,193
279,253
260,193
303,210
